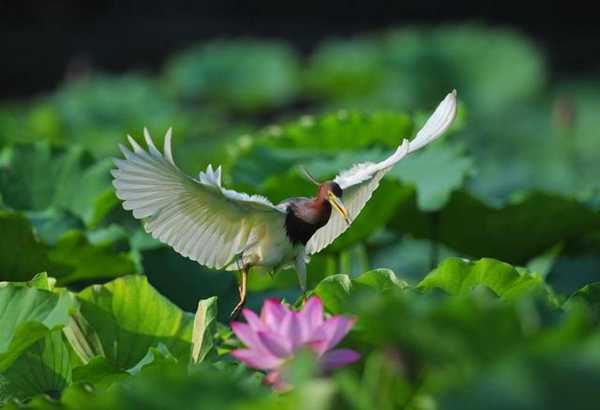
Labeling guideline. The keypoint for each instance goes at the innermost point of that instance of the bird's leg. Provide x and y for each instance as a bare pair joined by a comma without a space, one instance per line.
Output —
301,270
242,290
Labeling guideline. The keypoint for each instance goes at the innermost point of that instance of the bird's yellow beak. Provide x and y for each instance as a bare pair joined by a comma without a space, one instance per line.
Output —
339,206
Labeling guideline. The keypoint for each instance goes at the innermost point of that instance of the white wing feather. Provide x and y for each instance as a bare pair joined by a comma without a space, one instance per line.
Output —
360,181
197,217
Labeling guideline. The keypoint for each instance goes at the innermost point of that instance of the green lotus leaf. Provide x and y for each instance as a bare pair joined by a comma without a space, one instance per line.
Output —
43,368
435,172
185,282
22,255
205,327
459,276
244,75
343,69
27,315
98,372
525,227
335,290
130,316
343,130
98,110
73,259
40,177
590,295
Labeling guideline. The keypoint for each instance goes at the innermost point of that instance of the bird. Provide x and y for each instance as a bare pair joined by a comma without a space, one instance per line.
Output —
228,230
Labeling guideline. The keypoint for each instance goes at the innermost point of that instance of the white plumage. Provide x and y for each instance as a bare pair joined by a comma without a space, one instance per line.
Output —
360,181
225,229
197,217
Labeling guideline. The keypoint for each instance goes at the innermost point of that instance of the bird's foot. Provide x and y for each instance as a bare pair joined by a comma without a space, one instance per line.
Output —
242,289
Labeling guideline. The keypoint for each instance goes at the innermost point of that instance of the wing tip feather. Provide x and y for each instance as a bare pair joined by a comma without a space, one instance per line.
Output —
167,146
437,123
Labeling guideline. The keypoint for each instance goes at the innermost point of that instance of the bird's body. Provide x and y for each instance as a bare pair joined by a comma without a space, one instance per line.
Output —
225,229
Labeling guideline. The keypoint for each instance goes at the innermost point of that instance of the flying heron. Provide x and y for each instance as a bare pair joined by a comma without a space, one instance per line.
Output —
224,229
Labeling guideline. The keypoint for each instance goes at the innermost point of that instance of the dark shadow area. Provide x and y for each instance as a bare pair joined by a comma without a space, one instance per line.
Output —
42,43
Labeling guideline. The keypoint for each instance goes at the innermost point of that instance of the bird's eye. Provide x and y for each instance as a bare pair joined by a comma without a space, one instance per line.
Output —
337,190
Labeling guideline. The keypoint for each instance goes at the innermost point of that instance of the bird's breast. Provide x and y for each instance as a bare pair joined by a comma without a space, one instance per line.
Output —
304,218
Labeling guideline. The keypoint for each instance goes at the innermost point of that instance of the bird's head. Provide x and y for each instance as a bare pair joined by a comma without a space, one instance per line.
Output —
332,192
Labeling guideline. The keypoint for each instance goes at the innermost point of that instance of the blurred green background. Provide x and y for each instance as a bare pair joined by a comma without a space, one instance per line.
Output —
515,179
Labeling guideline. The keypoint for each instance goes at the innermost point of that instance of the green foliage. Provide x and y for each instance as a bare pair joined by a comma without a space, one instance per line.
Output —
341,69
26,255
525,227
401,67
98,372
506,334
76,259
514,180
349,130
458,276
436,173
590,296
185,282
71,258
28,314
127,330
334,290
95,111
244,75
205,323
44,368
39,177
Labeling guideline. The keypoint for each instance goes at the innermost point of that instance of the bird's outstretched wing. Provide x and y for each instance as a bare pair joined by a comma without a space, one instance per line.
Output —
197,217
360,181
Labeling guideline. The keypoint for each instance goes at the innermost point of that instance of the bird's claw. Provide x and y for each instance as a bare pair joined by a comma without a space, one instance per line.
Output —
242,289
236,310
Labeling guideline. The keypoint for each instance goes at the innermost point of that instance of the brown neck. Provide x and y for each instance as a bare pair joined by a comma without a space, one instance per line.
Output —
320,206
318,210
305,218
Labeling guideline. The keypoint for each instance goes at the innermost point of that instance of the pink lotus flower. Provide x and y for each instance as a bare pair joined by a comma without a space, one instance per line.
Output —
274,338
